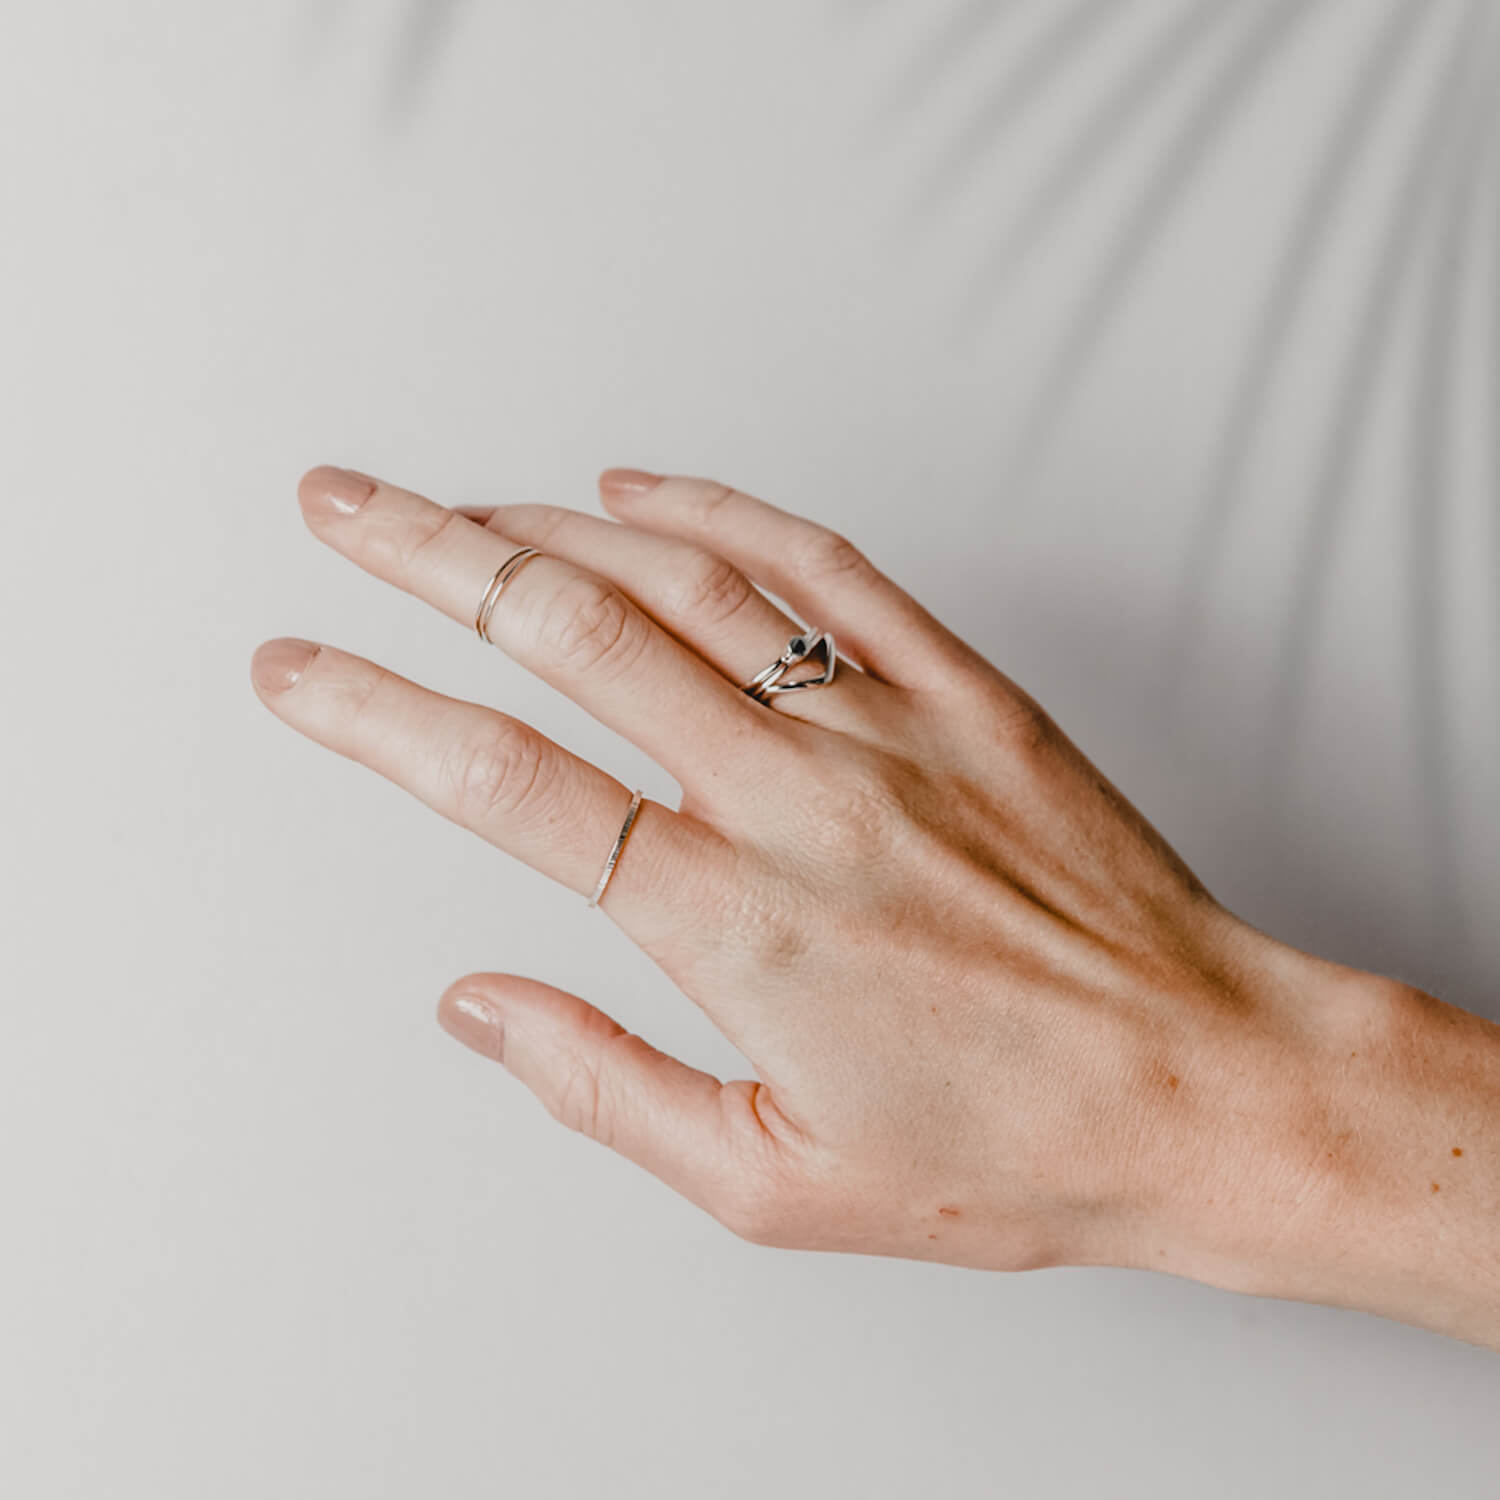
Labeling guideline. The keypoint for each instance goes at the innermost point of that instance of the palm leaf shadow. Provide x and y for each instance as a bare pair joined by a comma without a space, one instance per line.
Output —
1313,223
1428,168
1494,401
1211,114
1494,398
1108,127
1422,260
962,30
1040,66
1432,481
426,28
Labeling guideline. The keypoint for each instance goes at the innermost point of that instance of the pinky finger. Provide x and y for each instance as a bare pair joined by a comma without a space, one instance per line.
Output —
705,1139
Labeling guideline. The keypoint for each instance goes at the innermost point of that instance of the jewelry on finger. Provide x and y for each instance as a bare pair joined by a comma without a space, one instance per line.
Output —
614,854
496,586
801,648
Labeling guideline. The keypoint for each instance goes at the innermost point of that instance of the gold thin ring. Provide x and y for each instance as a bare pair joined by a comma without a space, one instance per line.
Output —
617,851
496,586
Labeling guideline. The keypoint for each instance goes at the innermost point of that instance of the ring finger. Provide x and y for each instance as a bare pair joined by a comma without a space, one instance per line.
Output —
492,774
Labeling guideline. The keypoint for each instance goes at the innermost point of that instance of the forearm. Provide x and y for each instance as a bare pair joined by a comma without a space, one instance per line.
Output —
1358,1161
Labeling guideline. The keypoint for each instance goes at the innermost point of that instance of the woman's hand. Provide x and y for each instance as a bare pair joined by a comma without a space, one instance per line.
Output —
997,1022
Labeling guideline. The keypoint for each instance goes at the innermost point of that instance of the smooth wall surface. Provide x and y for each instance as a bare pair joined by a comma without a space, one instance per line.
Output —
1155,342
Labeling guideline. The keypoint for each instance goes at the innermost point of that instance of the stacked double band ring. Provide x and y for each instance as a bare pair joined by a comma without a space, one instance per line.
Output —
800,648
497,584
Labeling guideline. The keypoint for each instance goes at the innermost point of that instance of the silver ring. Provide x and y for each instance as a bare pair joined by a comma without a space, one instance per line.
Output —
496,586
765,685
618,850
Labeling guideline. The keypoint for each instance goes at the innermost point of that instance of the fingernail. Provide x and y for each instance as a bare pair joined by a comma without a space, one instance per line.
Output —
278,664
628,483
333,492
474,1021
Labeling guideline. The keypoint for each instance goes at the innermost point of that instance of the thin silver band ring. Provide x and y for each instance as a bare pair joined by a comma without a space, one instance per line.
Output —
618,850
496,586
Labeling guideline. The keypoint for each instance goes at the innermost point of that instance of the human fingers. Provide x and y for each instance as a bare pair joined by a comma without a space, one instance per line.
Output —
713,1142
701,598
571,627
817,571
493,775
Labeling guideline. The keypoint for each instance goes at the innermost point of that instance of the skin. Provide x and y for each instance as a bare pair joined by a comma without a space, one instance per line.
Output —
997,1022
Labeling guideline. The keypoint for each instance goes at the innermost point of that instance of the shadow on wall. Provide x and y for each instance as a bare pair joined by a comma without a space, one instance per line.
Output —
1441,225
423,30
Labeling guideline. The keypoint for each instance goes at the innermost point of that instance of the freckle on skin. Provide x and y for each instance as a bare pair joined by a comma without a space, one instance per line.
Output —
948,1213
1436,1188
932,1236
1458,1150
1172,1081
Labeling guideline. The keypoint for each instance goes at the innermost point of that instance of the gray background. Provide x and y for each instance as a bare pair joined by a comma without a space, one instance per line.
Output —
1155,342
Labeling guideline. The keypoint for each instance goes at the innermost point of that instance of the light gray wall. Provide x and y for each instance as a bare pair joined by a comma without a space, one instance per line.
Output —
1155,342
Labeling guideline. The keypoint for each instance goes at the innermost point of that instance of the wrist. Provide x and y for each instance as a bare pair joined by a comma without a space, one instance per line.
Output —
1348,1153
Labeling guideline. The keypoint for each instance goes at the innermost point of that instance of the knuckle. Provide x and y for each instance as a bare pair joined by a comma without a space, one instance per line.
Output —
430,535
867,830
358,693
708,588
588,623
1025,727
580,1102
542,524
708,500
863,810
757,933
495,774
826,555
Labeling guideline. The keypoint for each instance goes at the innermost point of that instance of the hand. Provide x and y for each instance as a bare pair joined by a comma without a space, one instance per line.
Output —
997,1022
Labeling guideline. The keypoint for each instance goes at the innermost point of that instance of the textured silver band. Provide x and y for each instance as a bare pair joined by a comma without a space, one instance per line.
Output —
618,850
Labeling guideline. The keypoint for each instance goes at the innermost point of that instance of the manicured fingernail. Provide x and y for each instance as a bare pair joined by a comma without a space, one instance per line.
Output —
625,484
333,492
474,1021
278,664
